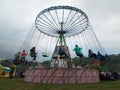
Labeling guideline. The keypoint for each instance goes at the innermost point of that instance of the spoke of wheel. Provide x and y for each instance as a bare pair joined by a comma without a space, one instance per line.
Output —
45,26
67,18
54,20
70,20
63,16
47,23
45,29
58,19
78,24
73,23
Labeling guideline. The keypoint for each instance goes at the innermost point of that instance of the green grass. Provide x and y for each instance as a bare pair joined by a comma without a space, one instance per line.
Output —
20,84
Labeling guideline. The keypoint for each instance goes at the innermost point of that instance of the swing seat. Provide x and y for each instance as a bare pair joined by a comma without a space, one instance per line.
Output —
44,55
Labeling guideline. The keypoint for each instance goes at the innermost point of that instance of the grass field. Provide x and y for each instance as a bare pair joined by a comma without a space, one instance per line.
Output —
20,84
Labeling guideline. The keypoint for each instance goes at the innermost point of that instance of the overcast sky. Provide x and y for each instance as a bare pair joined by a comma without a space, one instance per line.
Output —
17,18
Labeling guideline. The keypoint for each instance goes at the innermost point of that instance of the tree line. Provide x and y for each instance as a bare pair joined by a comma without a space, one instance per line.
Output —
112,64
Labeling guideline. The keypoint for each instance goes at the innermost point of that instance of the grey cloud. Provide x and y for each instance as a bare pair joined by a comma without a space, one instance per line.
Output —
17,18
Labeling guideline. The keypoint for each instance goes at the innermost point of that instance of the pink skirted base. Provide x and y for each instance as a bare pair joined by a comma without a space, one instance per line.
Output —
62,75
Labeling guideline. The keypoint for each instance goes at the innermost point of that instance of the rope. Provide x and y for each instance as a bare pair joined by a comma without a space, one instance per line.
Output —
100,46
85,40
71,44
79,40
52,44
31,39
94,41
41,43
38,40
26,38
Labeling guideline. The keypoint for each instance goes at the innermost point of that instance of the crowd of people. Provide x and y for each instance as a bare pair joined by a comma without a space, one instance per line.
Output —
20,57
97,57
91,54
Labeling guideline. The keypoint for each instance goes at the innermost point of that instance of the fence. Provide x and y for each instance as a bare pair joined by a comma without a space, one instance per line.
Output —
62,75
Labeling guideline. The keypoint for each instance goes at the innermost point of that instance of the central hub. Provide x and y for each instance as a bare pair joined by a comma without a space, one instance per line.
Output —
61,32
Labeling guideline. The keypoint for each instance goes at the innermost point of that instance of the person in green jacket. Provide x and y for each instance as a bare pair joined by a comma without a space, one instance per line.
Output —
77,50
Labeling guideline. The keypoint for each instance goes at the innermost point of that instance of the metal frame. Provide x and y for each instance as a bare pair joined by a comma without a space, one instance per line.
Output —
49,24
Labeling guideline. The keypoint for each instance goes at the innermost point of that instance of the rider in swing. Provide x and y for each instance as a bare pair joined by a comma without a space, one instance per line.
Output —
78,52
33,53
62,50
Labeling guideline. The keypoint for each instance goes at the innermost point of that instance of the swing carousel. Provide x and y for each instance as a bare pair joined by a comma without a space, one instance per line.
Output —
57,30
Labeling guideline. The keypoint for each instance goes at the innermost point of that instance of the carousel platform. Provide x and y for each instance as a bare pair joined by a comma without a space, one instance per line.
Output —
62,75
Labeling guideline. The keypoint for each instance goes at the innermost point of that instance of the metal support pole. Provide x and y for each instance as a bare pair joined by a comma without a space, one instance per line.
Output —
61,34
